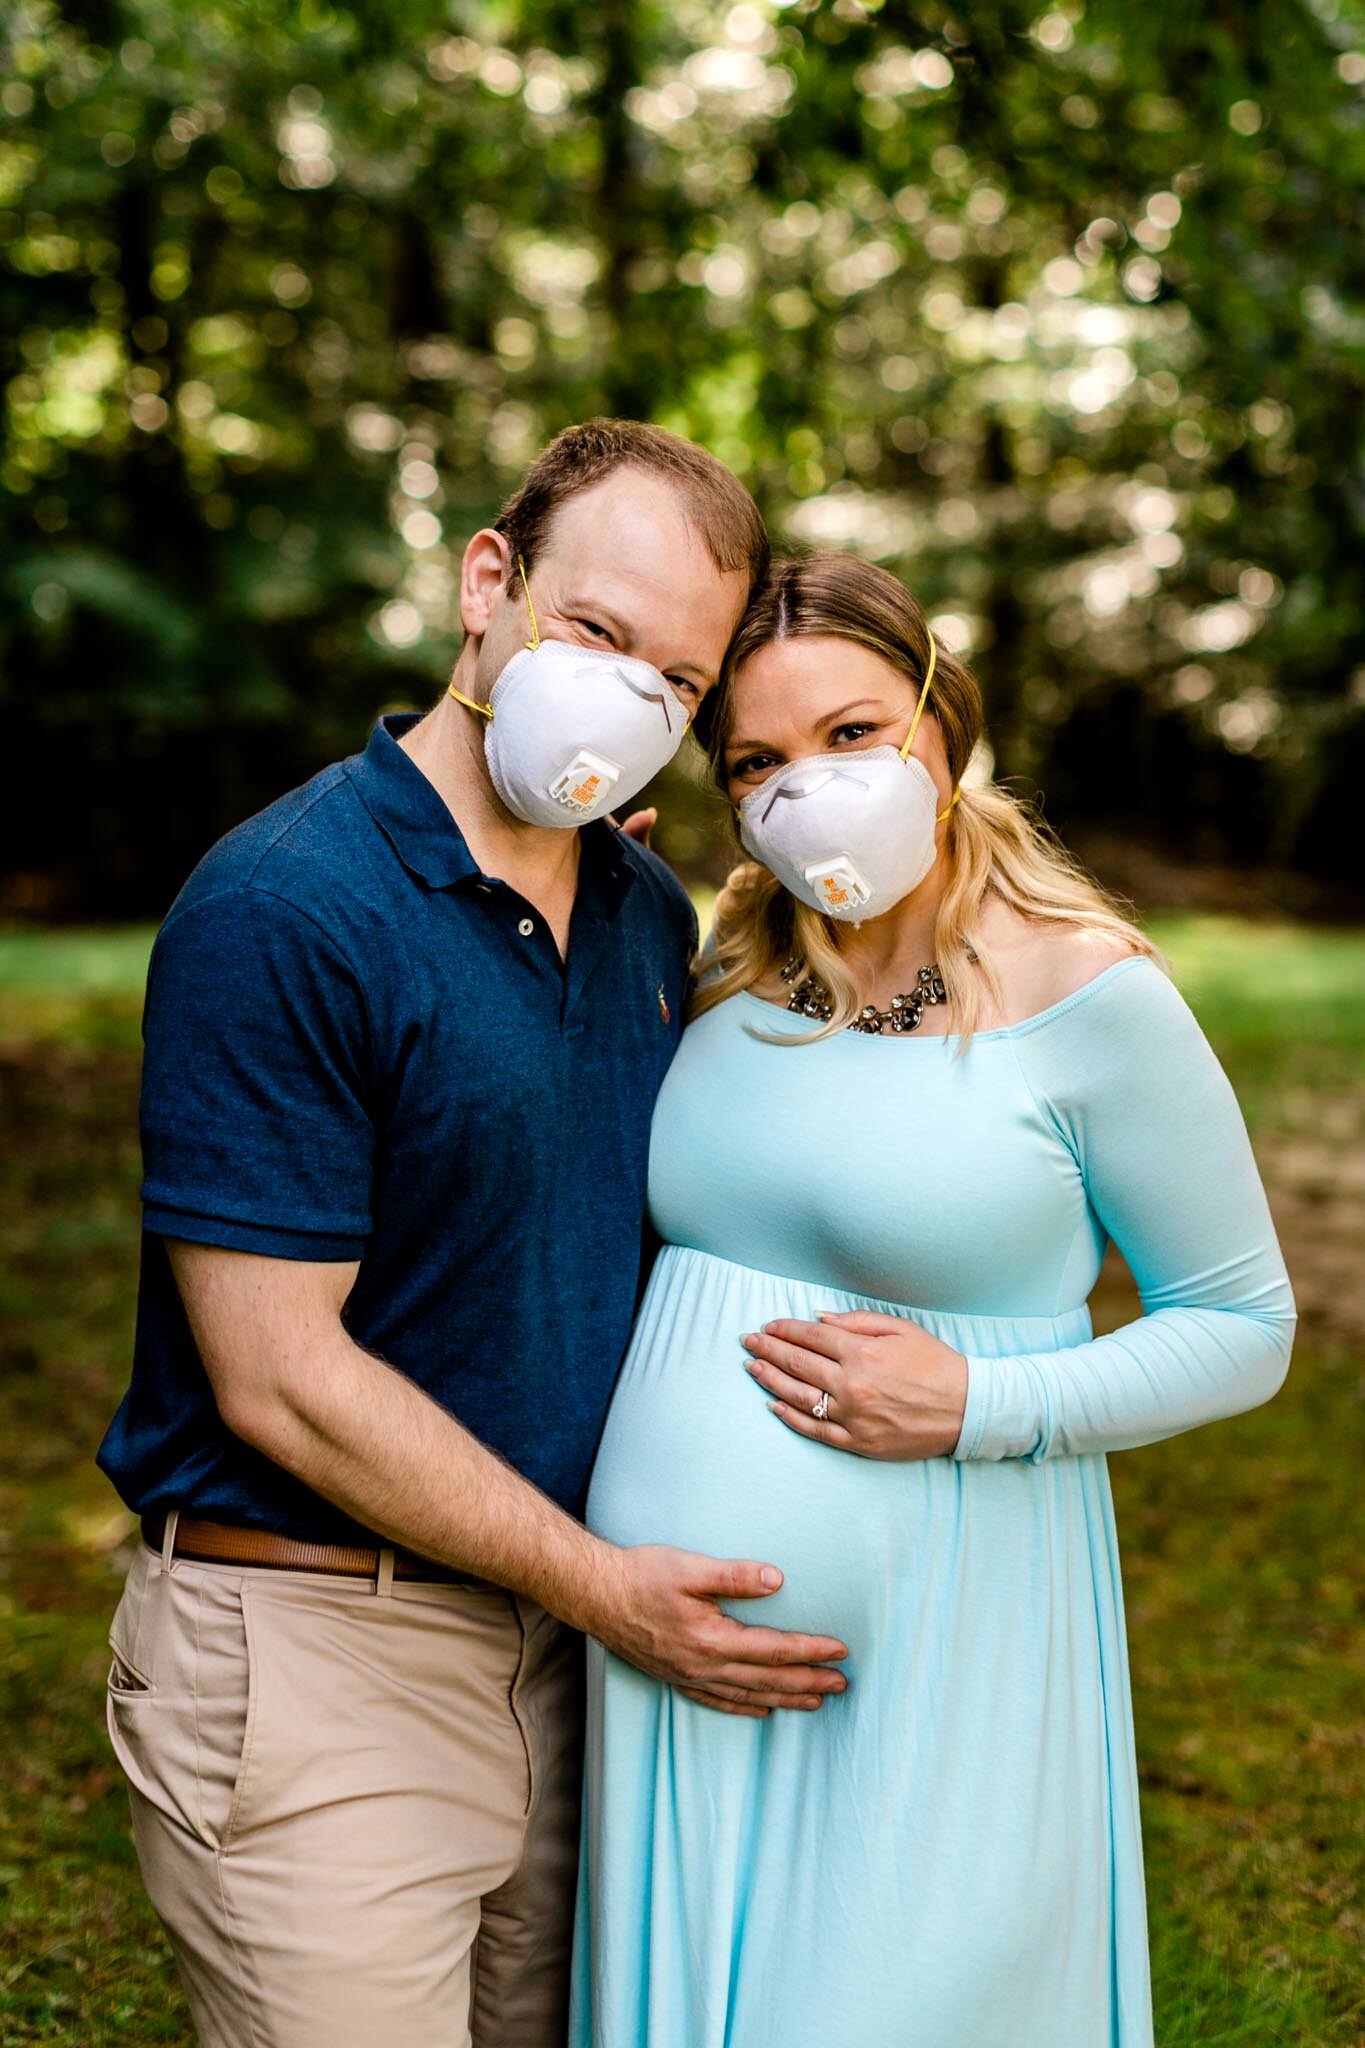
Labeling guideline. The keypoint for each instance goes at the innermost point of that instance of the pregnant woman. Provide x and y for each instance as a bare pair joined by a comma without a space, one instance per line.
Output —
931,1071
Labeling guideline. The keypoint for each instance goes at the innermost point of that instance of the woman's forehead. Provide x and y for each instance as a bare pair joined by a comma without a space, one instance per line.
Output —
804,674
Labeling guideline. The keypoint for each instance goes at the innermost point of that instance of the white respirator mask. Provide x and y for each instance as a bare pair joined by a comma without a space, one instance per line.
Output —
850,833
573,730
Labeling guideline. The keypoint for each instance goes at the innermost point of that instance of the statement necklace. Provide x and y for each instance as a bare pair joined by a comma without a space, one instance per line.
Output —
811,998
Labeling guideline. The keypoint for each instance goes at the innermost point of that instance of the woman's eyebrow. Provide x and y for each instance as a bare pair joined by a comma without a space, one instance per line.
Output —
831,718
858,702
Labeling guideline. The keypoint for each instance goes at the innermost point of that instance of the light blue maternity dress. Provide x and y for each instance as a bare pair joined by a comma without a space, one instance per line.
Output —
948,1855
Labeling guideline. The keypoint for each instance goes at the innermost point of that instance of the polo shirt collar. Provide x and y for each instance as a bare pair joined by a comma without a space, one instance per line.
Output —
424,835
406,807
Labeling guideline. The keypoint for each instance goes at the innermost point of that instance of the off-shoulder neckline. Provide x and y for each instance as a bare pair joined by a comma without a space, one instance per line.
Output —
1001,1031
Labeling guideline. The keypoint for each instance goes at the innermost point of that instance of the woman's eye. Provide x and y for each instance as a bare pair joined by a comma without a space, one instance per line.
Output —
850,733
752,764
591,626
684,686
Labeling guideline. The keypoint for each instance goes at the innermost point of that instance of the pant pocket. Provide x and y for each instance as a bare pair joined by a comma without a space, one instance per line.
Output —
180,1718
129,1631
125,1677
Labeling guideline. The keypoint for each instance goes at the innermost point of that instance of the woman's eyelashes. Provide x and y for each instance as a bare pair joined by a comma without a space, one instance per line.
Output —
752,764
849,734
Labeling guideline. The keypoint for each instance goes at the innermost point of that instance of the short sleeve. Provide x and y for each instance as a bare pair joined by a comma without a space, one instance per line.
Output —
256,1127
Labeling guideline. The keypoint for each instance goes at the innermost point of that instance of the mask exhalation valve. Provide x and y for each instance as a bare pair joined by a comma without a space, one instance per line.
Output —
837,884
584,781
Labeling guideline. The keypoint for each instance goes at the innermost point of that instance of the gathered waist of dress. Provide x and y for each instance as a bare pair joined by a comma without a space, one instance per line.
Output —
689,1285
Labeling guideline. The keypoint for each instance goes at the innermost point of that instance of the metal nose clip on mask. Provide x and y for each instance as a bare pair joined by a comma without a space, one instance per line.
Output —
849,833
573,730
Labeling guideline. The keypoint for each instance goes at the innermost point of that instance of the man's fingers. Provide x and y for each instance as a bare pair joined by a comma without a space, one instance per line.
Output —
751,1710
777,1684
639,825
767,1661
745,1646
732,1700
734,1578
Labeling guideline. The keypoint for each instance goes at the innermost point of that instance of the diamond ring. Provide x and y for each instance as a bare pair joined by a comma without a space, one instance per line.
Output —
821,1408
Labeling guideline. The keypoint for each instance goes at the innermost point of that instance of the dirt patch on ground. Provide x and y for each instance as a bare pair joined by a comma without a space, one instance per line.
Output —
1319,1203
1314,1171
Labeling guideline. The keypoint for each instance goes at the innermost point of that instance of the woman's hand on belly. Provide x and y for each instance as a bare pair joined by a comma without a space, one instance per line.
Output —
884,1387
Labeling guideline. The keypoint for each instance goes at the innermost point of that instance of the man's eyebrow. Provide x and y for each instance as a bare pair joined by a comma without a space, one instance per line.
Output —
573,605
623,633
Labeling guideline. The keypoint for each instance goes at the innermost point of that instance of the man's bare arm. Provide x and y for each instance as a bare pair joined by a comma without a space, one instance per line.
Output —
290,1381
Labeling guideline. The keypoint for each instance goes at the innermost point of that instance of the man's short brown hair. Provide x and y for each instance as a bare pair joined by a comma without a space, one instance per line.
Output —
721,509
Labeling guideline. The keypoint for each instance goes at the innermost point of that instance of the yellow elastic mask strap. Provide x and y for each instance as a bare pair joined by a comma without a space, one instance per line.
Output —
486,710
919,713
534,640
923,697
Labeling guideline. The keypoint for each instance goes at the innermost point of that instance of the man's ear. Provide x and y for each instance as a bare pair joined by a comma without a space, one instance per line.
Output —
484,580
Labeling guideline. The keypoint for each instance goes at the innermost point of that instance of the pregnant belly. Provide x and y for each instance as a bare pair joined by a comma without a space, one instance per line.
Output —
692,1456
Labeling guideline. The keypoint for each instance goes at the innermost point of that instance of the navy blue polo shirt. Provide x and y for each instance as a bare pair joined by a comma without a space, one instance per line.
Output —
360,1047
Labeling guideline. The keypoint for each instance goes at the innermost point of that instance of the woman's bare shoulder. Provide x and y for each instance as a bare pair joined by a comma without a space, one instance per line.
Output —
1041,962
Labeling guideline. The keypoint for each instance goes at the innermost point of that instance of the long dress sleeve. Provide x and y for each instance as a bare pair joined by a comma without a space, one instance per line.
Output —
1133,1090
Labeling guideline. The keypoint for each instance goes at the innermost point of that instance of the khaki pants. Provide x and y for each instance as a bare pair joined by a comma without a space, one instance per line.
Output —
355,1803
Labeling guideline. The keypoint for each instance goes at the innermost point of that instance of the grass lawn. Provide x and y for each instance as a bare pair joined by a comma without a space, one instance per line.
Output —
1241,1543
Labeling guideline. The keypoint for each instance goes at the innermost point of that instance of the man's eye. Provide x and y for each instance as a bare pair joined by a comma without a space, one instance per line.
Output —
591,626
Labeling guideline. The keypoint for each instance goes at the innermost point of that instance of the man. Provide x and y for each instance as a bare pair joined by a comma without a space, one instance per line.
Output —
404,1032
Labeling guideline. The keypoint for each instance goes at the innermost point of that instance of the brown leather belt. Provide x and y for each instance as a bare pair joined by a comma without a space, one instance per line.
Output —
227,1543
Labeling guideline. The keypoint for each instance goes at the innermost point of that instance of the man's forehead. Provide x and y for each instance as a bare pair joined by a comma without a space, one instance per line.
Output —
622,585
636,522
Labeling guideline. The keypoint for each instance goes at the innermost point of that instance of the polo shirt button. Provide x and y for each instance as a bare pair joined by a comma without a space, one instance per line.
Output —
526,927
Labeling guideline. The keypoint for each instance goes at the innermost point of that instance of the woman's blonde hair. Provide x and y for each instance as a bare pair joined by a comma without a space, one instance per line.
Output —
994,845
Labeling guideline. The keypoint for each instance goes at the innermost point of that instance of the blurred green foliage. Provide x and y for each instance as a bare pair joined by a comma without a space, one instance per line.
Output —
1249,982
1058,310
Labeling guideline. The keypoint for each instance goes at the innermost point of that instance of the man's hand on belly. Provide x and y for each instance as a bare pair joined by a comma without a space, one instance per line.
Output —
656,1607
